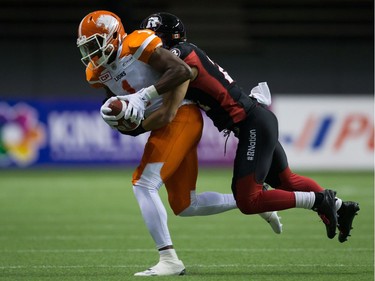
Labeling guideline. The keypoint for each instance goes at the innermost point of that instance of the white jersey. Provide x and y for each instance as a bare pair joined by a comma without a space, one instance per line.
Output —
130,71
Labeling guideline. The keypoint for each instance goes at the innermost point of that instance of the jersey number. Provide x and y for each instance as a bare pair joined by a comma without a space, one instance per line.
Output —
226,75
126,86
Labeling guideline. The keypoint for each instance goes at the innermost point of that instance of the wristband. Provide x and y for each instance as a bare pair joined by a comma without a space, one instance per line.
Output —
151,92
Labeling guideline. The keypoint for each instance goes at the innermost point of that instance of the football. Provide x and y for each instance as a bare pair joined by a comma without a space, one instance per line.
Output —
123,124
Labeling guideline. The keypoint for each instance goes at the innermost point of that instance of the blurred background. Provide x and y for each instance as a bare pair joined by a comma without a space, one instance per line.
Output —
298,46
312,53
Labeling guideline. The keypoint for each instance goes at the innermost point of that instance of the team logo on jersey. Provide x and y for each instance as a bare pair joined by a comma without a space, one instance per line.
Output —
105,77
119,76
153,22
176,52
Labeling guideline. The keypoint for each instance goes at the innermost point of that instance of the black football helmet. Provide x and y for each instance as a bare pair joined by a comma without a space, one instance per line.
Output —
168,27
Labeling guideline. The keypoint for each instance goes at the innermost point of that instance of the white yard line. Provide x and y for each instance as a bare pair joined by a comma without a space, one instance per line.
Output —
188,265
184,250
142,237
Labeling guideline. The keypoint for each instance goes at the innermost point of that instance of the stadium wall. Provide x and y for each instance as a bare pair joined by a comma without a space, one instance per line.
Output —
317,132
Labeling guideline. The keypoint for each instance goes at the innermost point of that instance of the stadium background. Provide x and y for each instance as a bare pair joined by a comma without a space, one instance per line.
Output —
310,52
77,224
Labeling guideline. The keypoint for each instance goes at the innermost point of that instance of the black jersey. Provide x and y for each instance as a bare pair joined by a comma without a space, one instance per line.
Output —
213,89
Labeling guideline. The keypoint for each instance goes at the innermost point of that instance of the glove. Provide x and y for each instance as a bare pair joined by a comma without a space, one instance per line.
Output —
262,93
137,103
111,120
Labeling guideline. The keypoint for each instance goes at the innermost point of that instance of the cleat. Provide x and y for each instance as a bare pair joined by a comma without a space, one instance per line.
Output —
164,268
271,217
274,220
346,215
327,212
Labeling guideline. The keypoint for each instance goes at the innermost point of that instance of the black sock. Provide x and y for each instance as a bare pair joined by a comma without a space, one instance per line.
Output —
318,199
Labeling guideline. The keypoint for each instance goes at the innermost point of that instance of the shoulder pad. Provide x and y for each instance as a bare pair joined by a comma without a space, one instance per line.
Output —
141,43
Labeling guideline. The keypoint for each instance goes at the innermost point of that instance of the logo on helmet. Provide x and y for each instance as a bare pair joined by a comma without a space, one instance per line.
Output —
107,22
153,22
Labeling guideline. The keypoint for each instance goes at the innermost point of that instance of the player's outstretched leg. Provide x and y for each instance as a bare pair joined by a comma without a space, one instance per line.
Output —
327,212
346,215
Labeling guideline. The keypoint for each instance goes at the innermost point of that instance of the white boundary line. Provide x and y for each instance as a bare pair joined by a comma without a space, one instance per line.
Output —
142,237
188,265
183,250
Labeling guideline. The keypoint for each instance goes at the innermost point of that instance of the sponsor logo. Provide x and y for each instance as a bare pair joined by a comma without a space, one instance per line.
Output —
105,77
22,135
252,145
333,133
176,52
126,60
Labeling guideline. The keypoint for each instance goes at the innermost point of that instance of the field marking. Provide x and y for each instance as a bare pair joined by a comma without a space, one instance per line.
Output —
187,265
182,250
140,237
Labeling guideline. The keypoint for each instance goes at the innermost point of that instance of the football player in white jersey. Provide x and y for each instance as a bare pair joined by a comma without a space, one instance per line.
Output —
123,64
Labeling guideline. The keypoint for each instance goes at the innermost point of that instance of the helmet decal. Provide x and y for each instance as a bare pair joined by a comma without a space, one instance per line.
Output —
153,22
107,22
167,26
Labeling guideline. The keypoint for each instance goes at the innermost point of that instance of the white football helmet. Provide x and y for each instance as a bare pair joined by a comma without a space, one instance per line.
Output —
100,33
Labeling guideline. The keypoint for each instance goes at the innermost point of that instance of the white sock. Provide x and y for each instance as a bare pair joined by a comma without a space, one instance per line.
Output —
304,199
154,214
338,203
208,203
169,254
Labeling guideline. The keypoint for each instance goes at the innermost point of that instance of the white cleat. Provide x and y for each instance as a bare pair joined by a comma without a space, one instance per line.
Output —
274,220
164,268
271,217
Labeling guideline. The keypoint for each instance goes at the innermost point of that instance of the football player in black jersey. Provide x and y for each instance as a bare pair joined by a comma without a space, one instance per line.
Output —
260,157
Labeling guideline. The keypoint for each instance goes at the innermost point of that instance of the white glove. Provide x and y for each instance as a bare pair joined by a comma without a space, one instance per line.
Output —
262,93
137,103
111,120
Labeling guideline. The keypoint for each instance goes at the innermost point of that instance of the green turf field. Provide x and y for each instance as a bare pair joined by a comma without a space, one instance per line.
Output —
86,225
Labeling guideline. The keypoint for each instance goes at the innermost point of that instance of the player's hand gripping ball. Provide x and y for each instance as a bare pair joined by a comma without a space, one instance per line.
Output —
118,108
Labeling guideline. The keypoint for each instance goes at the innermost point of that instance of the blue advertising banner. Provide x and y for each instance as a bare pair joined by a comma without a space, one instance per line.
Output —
336,134
59,132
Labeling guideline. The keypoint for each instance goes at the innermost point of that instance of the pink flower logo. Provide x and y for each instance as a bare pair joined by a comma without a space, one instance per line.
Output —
21,134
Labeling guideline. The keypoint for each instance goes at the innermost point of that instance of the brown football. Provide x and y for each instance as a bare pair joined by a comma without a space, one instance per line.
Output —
116,107
123,124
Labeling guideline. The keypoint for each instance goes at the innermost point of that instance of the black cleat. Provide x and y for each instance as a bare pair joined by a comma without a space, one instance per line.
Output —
327,212
346,215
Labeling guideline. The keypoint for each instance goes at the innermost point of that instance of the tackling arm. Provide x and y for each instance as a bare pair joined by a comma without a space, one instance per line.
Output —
166,113
174,70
